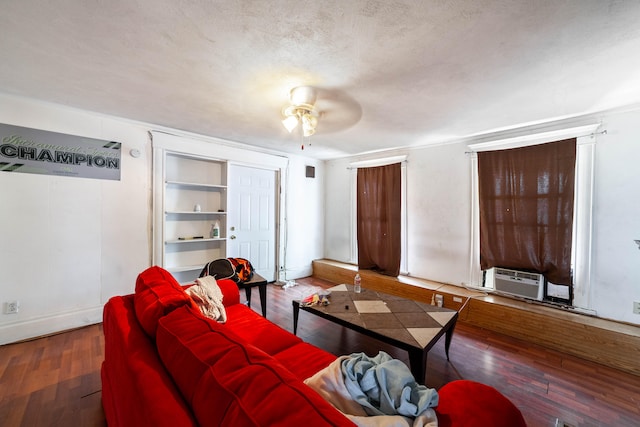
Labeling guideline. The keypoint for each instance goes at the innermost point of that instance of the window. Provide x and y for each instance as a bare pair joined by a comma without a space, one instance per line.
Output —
581,244
526,208
403,209
378,218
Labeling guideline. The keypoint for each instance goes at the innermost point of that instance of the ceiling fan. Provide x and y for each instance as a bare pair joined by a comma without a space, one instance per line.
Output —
310,105
302,110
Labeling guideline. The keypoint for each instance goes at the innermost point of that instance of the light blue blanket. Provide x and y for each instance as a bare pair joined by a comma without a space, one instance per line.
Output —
385,386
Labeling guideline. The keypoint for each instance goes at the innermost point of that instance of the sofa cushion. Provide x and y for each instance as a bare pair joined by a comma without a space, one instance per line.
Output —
230,292
258,331
472,404
228,382
157,293
303,359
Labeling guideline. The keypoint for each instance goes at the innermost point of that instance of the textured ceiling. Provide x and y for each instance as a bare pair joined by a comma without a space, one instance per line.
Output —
391,73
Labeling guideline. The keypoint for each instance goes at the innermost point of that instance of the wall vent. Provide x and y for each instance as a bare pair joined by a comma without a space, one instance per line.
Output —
519,283
310,171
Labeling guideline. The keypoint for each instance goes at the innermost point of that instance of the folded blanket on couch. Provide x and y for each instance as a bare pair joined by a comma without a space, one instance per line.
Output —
208,297
377,391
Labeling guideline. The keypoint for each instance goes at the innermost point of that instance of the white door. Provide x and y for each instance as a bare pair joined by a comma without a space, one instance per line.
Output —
251,222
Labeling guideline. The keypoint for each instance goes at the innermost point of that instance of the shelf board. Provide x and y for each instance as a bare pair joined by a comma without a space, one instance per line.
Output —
194,213
184,268
208,239
197,185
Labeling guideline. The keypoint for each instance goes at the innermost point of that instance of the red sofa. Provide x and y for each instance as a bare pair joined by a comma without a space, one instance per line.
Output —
168,365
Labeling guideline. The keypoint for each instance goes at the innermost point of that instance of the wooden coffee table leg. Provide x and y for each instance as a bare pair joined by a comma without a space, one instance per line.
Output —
296,311
418,362
447,339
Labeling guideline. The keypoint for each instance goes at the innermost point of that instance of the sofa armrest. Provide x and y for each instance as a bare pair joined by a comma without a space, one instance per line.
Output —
472,404
137,390
230,292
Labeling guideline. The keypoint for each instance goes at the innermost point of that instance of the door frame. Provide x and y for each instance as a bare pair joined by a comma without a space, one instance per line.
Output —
280,178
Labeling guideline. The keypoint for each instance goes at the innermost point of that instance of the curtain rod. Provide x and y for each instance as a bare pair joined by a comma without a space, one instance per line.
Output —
592,134
374,165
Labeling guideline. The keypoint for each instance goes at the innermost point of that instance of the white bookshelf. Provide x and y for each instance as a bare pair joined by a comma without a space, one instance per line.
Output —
193,198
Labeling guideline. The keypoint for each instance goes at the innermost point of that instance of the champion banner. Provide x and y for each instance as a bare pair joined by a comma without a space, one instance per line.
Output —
50,153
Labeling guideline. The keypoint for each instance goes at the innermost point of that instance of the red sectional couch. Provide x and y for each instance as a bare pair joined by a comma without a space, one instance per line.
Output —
168,365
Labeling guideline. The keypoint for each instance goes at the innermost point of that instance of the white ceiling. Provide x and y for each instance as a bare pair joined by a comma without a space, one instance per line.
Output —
392,73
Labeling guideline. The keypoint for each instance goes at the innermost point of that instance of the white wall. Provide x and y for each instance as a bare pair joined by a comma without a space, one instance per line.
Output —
616,258
69,244
439,205
438,233
337,224
305,217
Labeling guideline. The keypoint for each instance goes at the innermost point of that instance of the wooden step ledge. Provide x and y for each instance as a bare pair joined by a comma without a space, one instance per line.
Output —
603,341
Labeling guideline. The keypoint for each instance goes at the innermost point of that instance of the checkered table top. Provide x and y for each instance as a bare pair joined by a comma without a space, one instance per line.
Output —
412,322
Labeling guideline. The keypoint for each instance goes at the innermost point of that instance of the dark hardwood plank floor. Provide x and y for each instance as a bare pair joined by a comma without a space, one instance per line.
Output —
546,385
55,381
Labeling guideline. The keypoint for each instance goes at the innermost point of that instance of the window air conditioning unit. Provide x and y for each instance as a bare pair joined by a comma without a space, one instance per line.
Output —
519,283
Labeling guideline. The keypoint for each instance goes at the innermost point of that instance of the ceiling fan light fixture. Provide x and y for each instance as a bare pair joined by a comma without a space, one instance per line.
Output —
308,130
301,111
309,123
290,123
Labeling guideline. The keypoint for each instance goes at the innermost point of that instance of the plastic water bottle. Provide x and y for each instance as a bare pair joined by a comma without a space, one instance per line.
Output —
356,284
215,230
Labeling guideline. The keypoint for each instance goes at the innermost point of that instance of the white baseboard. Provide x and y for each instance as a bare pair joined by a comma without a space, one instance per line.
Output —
32,328
297,272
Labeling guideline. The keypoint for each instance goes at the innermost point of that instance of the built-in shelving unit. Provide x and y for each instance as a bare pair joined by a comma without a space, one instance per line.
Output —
191,170
194,198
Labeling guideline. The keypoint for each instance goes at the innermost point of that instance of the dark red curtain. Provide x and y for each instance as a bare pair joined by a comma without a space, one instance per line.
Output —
378,216
526,209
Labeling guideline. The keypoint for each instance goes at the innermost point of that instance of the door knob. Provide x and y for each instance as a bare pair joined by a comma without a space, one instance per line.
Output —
232,237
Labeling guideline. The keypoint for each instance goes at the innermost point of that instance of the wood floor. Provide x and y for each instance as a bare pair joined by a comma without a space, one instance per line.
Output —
55,381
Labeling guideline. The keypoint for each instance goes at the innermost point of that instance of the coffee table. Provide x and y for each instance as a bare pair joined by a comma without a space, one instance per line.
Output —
410,325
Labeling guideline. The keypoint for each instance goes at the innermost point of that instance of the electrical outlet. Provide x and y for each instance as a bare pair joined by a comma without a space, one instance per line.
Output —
11,307
636,307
